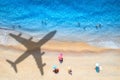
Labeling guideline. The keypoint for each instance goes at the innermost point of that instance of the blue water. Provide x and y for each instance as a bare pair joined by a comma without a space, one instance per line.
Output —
73,19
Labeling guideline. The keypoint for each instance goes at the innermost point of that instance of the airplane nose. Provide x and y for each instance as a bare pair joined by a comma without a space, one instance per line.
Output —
53,32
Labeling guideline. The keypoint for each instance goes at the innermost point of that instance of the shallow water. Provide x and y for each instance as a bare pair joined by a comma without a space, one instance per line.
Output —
74,20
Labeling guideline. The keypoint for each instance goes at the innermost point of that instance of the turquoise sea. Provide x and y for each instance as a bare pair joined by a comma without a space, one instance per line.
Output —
74,20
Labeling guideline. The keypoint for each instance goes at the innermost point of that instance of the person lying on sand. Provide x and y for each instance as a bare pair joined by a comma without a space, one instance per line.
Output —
55,69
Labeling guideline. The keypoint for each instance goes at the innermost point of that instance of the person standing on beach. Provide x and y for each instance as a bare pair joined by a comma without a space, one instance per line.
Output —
98,26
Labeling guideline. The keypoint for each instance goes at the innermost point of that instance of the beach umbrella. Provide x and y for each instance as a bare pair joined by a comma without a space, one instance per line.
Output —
60,56
54,66
97,64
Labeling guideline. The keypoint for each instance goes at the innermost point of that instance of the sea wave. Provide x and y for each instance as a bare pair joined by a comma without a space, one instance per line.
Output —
74,20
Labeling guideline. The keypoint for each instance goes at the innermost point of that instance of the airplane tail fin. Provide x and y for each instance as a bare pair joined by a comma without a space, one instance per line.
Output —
13,65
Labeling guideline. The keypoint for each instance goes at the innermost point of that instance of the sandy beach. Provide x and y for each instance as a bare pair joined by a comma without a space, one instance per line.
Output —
79,39
79,55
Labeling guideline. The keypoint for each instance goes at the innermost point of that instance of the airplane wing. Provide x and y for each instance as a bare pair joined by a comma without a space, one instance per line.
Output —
37,55
46,38
19,38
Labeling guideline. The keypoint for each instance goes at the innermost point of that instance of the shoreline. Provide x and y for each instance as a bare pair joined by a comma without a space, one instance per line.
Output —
62,46
67,47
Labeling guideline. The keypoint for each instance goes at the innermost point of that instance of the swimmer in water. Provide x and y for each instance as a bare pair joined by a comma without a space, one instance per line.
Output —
55,69
43,22
98,26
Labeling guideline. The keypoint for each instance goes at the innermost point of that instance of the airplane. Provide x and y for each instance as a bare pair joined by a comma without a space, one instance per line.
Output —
33,48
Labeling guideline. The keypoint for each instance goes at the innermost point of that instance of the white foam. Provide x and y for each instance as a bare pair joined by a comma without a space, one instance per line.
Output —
4,38
106,44
109,44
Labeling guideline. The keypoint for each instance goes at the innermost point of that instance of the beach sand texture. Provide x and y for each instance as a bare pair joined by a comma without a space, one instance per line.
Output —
81,57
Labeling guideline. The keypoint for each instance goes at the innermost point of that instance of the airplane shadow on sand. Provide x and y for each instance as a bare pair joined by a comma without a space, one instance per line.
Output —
33,48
